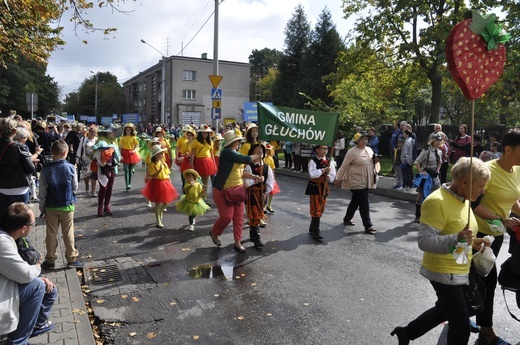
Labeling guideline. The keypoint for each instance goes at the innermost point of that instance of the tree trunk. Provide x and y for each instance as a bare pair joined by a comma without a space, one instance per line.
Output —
436,80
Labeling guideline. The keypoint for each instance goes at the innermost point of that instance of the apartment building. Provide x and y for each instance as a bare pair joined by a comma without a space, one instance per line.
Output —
188,91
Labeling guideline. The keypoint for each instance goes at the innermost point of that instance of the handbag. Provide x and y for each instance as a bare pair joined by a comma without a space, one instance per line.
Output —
235,195
473,292
511,282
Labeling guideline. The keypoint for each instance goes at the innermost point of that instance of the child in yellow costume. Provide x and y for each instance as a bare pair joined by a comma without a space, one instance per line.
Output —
192,202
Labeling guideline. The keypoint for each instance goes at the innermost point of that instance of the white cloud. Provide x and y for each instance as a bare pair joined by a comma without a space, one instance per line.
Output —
168,25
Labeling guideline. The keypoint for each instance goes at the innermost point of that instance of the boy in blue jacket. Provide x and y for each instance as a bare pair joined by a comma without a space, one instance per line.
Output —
58,181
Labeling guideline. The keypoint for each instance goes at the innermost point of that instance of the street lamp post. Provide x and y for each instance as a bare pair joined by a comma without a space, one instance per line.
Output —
95,99
163,72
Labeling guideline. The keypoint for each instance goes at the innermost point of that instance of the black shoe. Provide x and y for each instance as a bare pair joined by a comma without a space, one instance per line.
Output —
215,241
403,339
48,266
239,249
270,209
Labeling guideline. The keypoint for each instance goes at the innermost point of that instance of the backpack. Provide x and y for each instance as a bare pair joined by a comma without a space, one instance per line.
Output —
414,150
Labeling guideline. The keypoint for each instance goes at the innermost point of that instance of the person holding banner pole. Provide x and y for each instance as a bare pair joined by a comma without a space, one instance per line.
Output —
321,173
229,175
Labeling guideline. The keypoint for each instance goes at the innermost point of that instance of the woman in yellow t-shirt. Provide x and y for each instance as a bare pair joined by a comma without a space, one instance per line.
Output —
159,188
251,136
129,146
202,156
447,237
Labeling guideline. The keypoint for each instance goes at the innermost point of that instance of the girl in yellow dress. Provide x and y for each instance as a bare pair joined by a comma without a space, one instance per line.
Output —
165,144
159,188
183,149
129,146
192,202
202,155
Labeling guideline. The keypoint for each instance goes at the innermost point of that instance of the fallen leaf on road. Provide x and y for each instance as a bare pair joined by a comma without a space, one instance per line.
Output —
132,334
306,304
243,275
240,318
151,335
269,314
253,284
173,303
75,310
216,295
124,296
100,301
195,337
135,299
186,249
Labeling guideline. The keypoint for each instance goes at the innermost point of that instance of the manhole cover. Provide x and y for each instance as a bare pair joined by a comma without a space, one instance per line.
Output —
104,274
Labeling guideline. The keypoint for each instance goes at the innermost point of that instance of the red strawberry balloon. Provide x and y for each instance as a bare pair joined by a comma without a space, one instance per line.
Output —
476,54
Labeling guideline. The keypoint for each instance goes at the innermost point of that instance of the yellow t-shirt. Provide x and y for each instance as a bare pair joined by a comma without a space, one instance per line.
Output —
165,144
235,176
502,191
202,150
164,173
128,142
244,149
193,192
444,212
269,161
183,146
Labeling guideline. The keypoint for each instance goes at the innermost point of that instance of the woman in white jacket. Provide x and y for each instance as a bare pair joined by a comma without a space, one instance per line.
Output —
23,308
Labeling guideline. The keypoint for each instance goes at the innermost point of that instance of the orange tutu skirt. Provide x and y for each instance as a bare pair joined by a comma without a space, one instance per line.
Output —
276,188
160,191
130,157
205,166
185,164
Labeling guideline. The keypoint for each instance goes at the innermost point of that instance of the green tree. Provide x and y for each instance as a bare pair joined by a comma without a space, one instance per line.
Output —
30,28
319,59
262,61
17,79
297,31
415,30
110,99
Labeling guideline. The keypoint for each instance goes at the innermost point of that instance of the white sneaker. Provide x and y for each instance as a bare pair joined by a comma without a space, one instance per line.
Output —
399,188
165,210
149,204
191,227
193,221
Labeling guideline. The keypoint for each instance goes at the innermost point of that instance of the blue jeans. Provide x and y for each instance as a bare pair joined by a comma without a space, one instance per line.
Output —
6,200
35,307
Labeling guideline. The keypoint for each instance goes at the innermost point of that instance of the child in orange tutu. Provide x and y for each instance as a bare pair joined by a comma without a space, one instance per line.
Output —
202,159
159,188
191,203
129,146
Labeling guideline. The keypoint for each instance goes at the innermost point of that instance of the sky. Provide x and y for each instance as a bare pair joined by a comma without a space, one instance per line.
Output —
175,27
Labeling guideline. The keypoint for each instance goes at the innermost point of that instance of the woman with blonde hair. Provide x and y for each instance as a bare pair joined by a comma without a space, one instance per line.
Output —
446,236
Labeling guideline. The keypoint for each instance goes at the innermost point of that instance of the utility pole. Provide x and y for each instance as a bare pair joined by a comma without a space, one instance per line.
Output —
163,81
96,96
215,50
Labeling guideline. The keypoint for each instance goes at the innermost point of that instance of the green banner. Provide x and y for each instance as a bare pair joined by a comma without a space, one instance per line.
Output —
297,125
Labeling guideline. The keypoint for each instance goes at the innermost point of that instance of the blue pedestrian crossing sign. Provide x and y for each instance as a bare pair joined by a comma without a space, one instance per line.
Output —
216,94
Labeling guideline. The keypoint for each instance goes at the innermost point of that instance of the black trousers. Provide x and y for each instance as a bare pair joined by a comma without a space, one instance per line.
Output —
451,307
359,199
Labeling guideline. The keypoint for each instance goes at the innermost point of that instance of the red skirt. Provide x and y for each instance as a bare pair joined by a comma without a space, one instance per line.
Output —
130,157
205,166
276,189
160,191
185,164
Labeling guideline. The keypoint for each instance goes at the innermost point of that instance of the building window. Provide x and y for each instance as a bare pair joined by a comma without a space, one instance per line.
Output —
189,75
188,94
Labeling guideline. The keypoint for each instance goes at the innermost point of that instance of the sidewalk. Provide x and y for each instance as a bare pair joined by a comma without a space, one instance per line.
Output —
384,186
69,314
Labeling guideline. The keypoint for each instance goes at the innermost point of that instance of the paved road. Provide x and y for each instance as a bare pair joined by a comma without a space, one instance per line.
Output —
171,286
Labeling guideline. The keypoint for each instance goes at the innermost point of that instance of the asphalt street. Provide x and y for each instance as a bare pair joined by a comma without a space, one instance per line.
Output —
172,286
